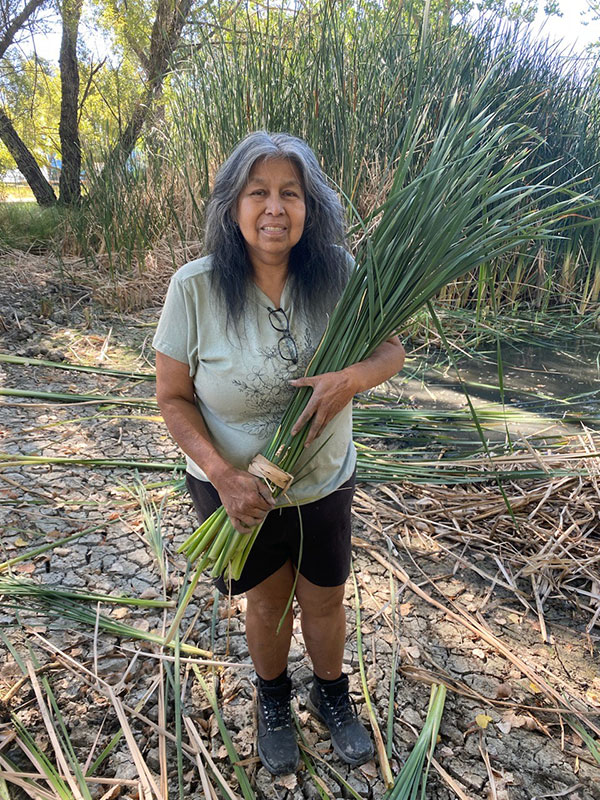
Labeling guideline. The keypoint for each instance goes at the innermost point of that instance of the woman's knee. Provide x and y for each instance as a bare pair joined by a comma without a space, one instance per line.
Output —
268,610
319,601
267,601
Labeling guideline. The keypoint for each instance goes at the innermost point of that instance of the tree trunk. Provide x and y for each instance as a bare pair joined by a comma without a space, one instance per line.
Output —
43,192
70,147
130,134
171,16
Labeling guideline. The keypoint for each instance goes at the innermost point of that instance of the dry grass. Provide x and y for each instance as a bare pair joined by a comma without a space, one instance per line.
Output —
545,545
143,287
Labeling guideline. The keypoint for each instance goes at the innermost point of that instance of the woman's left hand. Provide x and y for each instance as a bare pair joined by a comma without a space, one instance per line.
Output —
331,392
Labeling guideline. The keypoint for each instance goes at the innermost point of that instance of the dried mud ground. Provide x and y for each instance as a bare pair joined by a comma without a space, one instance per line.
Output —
498,739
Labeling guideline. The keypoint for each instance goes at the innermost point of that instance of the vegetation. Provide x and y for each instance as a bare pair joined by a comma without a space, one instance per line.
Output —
26,226
340,75
16,191
467,156
153,63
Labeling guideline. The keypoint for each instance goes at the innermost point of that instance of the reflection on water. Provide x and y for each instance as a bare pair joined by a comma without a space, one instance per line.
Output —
557,386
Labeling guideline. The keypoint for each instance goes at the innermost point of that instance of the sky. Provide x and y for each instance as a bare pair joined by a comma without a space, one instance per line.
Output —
569,27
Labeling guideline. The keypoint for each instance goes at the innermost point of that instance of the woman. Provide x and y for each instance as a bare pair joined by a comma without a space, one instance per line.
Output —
237,332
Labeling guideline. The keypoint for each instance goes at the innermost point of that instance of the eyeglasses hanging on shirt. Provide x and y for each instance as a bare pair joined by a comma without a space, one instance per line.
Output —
286,344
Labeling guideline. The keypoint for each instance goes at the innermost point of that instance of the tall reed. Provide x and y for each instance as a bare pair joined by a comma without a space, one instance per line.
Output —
343,76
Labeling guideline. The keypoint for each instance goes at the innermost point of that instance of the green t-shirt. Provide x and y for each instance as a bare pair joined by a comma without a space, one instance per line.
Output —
241,381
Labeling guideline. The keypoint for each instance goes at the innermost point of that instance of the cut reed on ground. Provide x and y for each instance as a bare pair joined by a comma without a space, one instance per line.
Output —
470,200
414,773
26,596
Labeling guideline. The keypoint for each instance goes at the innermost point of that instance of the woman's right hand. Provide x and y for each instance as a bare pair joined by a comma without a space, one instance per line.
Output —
246,498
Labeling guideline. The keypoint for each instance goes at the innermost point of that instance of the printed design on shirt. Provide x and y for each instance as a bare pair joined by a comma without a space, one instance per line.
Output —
266,388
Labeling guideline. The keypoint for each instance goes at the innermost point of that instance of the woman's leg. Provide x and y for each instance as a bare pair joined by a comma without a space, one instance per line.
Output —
276,739
266,603
323,626
324,629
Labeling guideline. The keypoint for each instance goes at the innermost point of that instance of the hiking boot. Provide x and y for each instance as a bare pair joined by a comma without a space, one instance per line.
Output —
277,745
332,705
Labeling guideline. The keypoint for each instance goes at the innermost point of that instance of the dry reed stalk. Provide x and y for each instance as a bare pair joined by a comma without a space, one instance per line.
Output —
493,793
456,787
162,742
384,764
552,541
100,781
540,609
206,787
61,759
202,749
149,787
16,687
461,688
200,662
462,617
17,779
191,752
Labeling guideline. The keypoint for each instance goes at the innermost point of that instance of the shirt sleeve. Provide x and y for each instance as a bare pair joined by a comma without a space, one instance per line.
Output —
177,331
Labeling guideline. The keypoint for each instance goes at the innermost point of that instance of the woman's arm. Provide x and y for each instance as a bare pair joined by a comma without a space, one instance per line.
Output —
246,498
334,390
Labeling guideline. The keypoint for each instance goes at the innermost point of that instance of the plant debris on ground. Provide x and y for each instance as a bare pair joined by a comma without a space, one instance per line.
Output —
499,604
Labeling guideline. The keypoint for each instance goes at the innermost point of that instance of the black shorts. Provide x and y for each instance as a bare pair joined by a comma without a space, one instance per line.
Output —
326,534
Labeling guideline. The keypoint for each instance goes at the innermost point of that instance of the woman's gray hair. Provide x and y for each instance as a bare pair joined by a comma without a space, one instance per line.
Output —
318,269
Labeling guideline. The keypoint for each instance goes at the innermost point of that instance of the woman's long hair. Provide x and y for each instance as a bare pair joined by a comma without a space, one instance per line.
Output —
317,267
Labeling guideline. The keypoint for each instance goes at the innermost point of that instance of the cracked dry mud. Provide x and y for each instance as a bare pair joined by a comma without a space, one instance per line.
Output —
531,752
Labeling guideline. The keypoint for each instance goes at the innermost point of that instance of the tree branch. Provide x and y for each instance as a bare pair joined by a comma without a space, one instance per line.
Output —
171,16
88,85
9,33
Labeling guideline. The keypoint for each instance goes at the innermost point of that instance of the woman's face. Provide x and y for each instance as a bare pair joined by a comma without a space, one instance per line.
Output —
270,211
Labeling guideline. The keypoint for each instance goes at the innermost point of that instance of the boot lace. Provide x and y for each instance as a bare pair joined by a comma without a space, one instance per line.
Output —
340,707
276,712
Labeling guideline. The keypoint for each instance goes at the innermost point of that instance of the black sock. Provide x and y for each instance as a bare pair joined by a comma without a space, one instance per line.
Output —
326,681
278,681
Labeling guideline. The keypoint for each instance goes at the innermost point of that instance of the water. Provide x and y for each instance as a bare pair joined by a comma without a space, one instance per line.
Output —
557,386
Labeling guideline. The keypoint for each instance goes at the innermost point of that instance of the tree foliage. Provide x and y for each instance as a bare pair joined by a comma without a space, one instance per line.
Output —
102,105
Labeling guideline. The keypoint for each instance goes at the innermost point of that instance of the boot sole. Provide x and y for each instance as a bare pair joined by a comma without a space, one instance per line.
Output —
353,762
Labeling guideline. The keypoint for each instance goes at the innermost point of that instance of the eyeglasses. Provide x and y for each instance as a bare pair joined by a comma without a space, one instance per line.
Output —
286,345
